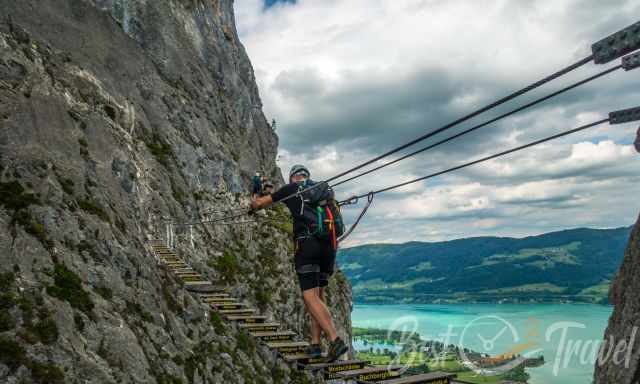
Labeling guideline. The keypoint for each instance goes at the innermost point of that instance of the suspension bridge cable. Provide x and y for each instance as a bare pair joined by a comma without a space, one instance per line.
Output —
217,220
475,113
222,210
534,143
512,112
221,221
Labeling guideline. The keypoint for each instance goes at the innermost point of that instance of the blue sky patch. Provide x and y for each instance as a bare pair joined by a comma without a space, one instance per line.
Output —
270,3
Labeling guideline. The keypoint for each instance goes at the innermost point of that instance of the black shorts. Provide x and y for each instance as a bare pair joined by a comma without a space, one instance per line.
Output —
314,261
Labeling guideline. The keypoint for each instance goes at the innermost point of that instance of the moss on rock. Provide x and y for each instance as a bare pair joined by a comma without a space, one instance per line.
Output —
68,287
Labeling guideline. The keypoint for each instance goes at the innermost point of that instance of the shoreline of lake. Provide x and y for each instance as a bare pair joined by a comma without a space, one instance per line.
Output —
540,323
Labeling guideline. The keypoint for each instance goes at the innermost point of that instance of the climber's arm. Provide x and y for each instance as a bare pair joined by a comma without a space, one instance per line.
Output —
261,202
280,194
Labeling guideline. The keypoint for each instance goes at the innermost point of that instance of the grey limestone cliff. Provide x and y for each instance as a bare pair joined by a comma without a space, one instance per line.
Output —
116,115
619,357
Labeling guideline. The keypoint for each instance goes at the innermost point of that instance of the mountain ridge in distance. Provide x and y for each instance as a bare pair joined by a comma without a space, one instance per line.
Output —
572,265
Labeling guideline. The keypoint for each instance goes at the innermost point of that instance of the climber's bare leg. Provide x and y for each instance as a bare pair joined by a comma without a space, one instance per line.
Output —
314,302
315,327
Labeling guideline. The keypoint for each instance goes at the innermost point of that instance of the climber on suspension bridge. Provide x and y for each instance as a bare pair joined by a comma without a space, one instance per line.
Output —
257,185
267,188
317,223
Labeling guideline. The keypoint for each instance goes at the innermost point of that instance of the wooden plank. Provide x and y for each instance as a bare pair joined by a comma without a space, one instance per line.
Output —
218,300
367,374
263,327
288,347
228,306
423,378
247,319
245,311
191,278
338,365
220,295
211,288
277,344
303,358
274,336
188,274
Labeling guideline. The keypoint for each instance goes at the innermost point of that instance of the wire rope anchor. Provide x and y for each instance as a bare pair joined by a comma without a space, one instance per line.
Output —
350,201
370,196
631,61
624,115
617,44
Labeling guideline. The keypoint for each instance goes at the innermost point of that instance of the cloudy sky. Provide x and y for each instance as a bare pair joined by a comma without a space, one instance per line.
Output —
349,79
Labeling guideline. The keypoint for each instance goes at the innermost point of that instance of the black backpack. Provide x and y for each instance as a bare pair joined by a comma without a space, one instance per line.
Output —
320,211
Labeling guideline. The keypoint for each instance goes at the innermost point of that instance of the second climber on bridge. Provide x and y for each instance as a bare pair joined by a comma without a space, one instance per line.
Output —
257,185
315,250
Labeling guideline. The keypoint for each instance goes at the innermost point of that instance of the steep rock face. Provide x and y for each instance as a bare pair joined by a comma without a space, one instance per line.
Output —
620,353
114,116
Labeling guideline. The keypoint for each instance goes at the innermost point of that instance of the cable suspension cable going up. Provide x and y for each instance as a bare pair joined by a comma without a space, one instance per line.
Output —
475,113
514,111
534,143
217,220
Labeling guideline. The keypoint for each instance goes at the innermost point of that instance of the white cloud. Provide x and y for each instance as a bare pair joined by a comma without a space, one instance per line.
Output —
347,79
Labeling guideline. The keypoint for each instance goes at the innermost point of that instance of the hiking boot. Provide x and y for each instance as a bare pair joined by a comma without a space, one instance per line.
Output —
314,350
336,349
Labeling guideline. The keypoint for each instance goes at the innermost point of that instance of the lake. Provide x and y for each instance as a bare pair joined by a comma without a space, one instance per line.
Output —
567,335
